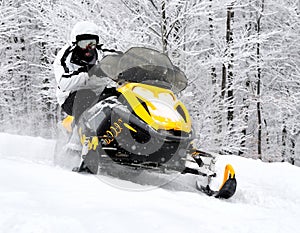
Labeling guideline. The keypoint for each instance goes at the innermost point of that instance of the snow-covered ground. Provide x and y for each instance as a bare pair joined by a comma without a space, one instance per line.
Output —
38,197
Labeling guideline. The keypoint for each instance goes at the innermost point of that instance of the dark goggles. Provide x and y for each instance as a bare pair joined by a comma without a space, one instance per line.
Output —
87,44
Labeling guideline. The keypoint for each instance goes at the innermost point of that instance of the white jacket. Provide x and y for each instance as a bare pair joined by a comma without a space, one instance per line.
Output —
71,81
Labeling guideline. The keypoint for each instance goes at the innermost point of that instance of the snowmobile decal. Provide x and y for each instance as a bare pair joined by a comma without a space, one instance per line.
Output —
92,142
113,132
130,127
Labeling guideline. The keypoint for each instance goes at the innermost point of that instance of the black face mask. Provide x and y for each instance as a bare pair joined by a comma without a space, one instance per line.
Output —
83,57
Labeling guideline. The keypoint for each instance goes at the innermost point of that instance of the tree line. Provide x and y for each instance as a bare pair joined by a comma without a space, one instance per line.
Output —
241,57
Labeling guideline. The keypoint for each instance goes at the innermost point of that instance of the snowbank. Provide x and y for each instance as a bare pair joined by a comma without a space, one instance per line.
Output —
36,196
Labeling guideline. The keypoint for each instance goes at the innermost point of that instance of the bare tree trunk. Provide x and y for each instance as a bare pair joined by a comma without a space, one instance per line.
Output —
217,114
223,83
283,140
164,27
258,92
212,45
267,135
258,106
229,40
227,74
245,109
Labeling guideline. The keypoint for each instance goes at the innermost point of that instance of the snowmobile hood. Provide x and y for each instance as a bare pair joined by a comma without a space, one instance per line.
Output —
158,107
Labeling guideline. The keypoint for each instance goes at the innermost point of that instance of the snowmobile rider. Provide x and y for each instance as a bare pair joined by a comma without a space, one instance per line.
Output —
73,67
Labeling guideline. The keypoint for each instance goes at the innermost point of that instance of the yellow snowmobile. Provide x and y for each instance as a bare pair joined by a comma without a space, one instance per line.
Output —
143,125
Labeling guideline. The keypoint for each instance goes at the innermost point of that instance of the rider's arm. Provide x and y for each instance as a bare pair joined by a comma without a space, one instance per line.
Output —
73,81
67,79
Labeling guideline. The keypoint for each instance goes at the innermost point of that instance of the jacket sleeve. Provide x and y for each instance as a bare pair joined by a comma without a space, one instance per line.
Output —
73,82
67,81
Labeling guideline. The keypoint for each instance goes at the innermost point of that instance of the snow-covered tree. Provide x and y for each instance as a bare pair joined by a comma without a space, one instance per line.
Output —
241,58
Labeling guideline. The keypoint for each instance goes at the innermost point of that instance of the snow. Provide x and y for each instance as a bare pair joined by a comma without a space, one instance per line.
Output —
38,197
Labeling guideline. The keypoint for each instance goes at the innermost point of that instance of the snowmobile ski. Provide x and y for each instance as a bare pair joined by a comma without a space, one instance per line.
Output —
226,190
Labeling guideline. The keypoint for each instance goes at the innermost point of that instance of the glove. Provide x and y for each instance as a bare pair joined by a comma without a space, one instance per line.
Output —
97,71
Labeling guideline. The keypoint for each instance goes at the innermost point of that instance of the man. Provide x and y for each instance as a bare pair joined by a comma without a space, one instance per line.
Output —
76,73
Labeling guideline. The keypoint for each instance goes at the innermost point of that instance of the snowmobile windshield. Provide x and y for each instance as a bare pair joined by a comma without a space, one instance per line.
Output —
144,65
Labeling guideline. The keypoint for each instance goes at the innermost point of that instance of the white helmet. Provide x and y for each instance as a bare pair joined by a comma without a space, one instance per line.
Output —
83,30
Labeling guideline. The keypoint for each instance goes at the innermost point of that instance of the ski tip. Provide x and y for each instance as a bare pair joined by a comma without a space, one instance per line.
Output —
228,189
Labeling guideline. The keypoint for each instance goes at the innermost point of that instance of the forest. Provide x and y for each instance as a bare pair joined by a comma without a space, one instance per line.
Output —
241,57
